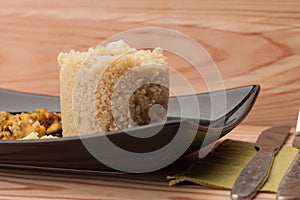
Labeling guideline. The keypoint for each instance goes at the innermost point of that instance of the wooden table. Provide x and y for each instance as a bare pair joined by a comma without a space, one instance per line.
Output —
252,42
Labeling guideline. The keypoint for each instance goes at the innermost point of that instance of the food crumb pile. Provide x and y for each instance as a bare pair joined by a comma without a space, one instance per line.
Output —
38,124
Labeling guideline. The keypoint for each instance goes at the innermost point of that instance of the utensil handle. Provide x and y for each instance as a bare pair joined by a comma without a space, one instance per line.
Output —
253,176
289,187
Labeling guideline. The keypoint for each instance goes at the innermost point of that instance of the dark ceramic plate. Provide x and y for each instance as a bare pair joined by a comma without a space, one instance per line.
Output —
71,153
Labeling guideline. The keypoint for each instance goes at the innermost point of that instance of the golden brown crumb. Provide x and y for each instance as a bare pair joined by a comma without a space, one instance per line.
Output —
18,126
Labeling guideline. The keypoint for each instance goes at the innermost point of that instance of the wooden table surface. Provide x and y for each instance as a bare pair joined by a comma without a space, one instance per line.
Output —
251,42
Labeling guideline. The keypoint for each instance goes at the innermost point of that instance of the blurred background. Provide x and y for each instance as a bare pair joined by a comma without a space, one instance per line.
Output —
251,43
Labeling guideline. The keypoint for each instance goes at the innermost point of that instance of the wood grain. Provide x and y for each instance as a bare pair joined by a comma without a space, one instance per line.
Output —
36,184
251,42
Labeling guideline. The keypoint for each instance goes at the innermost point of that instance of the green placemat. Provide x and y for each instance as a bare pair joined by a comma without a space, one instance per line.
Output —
222,166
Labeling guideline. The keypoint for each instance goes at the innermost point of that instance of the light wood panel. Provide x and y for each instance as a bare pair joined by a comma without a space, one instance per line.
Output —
36,184
252,42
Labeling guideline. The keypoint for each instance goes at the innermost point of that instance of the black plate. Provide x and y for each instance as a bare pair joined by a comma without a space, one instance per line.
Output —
71,153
